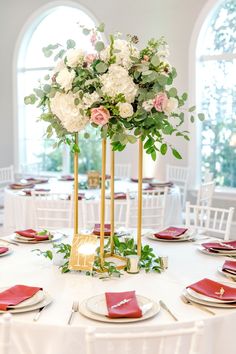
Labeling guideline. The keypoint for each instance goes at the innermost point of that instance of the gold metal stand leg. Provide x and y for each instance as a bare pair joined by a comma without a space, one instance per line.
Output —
76,187
140,179
112,188
103,201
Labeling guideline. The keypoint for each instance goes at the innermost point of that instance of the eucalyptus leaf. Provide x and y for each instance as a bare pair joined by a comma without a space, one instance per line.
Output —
70,43
99,46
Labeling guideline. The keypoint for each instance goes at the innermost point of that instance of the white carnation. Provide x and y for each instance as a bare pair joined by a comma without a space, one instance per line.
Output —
148,105
171,106
90,98
65,78
63,106
122,51
74,57
125,109
117,81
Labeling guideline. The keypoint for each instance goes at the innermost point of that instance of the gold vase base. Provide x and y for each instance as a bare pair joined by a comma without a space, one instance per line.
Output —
119,262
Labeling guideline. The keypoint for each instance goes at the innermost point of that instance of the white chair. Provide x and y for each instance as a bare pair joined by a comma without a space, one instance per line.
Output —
123,170
215,221
179,176
153,209
167,340
52,210
205,194
6,177
5,333
31,169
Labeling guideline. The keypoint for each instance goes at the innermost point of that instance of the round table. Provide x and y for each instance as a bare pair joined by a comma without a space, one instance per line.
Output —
51,334
19,211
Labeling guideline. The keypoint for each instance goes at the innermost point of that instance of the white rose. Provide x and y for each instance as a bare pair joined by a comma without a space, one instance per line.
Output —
60,65
63,106
148,105
90,98
74,57
171,106
65,78
117,81
125,109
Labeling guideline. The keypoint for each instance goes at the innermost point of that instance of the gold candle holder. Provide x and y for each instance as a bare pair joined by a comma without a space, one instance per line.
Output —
76,187
102,215
140,200
112,190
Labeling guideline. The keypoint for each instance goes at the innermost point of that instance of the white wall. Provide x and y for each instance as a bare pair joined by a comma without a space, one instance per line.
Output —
151,18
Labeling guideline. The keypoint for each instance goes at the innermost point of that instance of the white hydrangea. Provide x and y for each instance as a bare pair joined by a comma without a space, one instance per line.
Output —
74,57
125,109
63,106
123,51
116,81
171,106
65,78
90,98
148,105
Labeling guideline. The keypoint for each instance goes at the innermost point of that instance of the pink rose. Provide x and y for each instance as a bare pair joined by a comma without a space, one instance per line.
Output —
89,58
100,115
160,101
93,38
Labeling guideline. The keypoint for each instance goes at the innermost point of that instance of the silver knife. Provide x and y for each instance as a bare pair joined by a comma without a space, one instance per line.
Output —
165,307
36,317
11,242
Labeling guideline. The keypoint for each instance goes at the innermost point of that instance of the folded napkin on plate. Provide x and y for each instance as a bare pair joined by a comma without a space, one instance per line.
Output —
15,295
67,178
214,289
144,180
229,267
21,185
119,195
171,233
123,304
3,250
97,229
30,233
35,180
224,246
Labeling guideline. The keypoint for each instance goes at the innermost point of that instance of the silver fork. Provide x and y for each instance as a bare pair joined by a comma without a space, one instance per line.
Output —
75,308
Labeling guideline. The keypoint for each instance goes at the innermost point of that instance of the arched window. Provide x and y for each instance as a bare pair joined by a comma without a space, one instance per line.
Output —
216,85
55,26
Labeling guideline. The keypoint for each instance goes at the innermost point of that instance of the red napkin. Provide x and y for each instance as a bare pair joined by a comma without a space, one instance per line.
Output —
145,179
3,250
229,266
30,233
21,185
226,246
120,195
97,228
171,233
67,178
214,289
15,295
129,309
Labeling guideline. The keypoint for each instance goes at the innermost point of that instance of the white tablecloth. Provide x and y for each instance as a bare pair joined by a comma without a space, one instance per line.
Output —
51,335
18,211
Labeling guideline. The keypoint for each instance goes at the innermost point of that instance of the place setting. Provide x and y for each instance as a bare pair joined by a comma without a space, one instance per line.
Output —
119,307
211,293
31,236
228,269
172,234
23,298
5,251
219,248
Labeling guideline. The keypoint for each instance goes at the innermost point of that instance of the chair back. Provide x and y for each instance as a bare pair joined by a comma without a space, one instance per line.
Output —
215,221
153,209
175,340
123,170
52,210
205,194
5,333
6,175
179,176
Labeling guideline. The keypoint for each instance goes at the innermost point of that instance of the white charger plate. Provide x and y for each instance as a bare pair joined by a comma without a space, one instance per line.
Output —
208,303
46,301
83,309
97,304
227,274
188,235
206,251
10,250
56,236
206,298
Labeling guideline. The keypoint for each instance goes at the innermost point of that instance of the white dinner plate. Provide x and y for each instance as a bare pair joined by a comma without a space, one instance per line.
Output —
227,274
10,250
46,301
188,235
83,309
56,236
97,304
206,251
208,303
198,296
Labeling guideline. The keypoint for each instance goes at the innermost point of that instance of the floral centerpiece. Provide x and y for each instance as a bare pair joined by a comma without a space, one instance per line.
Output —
123,91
